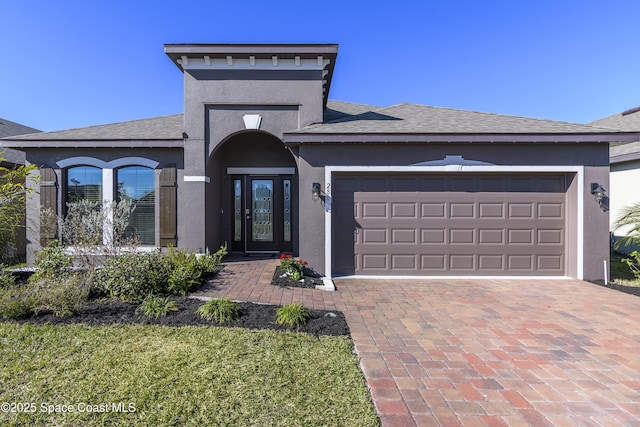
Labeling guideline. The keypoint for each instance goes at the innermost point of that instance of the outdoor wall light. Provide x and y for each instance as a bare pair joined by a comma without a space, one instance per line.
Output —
316,188
599,194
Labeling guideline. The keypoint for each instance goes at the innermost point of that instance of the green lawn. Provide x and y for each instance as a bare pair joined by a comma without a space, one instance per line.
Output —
189,376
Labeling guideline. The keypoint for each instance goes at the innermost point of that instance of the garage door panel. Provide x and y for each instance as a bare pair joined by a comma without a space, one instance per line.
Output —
432,236
550,210
374,235
401,236
404,210
374,210
433,210
491,210
490,263
461,236
490,236
501,225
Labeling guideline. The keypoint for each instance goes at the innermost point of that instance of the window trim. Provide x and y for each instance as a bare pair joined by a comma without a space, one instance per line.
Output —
109,170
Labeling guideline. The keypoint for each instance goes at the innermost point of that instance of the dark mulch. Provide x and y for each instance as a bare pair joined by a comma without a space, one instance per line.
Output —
251,316
632,290
284,281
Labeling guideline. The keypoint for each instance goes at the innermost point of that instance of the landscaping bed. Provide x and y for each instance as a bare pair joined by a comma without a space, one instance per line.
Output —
280,278
250,316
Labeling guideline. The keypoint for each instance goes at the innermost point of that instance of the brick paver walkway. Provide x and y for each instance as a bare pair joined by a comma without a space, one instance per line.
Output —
480,352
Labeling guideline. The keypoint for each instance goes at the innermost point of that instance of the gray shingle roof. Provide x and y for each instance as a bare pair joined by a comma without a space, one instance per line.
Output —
422,119
628,120
156,128
339,109
9,128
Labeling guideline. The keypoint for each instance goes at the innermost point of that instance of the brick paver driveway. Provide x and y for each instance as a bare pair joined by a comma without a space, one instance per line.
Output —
497,352
479,352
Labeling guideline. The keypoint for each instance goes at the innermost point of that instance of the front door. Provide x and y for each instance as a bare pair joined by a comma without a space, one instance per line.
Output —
262,214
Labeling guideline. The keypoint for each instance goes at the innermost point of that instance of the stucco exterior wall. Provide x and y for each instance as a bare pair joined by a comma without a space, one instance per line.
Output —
214,110
314,157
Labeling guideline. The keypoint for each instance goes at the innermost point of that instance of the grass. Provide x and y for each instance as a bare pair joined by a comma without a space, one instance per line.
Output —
188,376
620,272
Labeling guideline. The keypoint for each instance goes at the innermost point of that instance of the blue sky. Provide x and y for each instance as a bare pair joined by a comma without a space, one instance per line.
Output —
67,64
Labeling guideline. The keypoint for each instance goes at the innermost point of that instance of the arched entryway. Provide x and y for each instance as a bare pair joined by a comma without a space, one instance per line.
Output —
254,188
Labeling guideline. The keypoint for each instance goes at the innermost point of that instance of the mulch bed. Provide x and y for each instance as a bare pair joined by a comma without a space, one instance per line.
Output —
632,290
281,279
251,316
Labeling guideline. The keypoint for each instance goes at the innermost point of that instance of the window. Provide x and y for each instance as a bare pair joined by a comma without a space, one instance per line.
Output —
84,183
106,182
137,184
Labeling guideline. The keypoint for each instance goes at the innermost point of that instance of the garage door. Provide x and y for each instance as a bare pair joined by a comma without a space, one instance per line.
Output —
449,224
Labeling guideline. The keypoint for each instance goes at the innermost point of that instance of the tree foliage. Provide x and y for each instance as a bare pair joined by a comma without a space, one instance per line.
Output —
629,221
13,194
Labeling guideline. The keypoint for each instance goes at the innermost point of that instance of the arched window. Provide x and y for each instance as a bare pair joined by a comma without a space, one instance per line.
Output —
137,184
84,183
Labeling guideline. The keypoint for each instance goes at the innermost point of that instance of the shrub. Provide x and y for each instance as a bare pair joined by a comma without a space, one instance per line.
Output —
209,263
6,279
183,278
188,269
15,186
133,276
16,303
292,315
51,262
64,296
634,263
186,272
221,310
156,306
294,267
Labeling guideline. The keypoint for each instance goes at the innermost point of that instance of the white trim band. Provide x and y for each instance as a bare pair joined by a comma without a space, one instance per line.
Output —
196,178
113,164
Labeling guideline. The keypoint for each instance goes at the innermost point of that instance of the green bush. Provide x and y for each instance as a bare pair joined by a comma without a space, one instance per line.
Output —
133,276
633,261
156,306
221,310
186,272
64,296
6,279
51,262
292,315
210,262
16,303
188,269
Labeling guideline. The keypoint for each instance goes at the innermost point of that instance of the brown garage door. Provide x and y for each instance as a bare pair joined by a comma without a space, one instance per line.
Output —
449,224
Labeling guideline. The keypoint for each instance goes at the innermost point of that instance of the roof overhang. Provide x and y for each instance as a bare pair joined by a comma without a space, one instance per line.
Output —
310,138
258,57
49,143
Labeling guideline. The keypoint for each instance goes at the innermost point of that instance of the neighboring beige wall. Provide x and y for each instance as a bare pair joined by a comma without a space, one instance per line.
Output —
624,190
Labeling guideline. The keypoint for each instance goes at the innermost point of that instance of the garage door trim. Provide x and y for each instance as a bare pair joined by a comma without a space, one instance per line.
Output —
578,170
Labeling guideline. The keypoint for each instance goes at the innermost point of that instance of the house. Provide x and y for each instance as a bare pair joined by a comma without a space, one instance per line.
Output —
263,160
625,168
9,128
10,159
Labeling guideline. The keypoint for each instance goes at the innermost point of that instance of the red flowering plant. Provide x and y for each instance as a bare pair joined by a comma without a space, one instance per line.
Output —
293,267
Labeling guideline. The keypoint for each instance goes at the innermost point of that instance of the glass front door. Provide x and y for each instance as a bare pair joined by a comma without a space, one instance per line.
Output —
262,217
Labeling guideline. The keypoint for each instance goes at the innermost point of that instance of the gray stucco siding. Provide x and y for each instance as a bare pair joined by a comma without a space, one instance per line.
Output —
592,156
